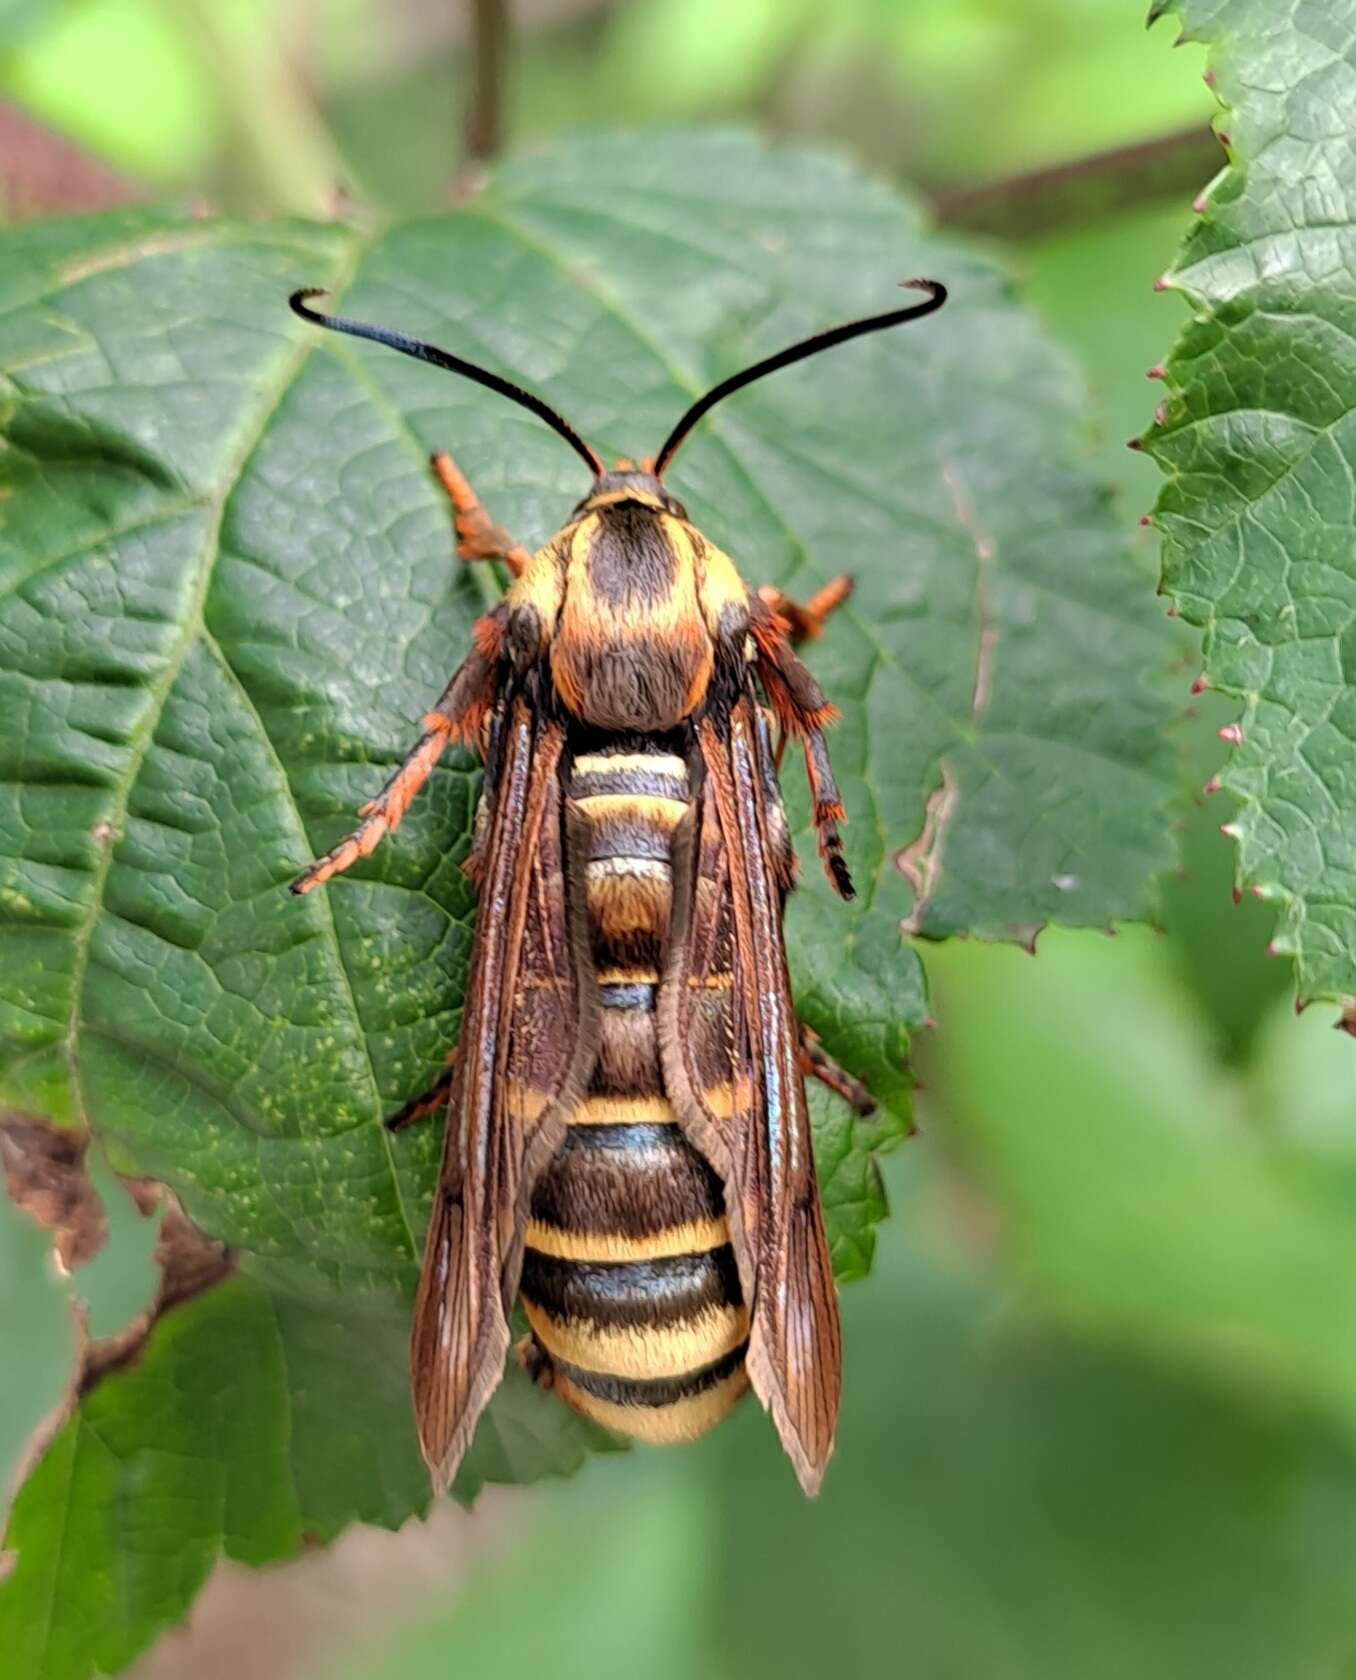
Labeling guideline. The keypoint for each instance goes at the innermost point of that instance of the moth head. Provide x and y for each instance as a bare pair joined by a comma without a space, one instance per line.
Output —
631,482
642,483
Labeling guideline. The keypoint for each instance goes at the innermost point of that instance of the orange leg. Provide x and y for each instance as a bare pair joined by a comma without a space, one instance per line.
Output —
803,713
478,537
806,621
456,717
816,1062
828,812
381,815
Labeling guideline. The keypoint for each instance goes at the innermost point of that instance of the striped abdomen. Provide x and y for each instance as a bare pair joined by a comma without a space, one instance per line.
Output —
628,1277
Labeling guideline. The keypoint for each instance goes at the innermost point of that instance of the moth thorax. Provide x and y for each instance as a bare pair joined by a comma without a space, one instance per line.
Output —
631,650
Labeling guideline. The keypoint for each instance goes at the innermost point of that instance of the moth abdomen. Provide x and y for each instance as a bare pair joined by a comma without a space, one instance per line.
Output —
629,1280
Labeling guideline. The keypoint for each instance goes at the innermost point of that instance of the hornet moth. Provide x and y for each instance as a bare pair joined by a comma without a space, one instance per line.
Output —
627,1146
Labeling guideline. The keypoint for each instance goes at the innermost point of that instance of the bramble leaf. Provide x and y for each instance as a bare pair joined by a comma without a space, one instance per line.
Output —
230,595
1257,440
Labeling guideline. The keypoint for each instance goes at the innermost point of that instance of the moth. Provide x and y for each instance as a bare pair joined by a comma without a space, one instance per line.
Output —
627,1147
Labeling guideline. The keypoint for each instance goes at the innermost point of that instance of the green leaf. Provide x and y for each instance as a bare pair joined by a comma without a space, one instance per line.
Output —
35,1315
250,1421
1256,438
230,596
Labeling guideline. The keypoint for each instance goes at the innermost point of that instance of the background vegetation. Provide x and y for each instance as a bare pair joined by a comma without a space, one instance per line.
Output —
1101,1379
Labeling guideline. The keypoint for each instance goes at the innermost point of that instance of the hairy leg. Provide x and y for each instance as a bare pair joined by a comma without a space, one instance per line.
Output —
456,717
816,1063
478,537
806,620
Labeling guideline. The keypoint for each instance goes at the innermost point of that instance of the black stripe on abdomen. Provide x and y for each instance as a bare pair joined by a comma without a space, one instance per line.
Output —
642,1294
635,1179
655,1391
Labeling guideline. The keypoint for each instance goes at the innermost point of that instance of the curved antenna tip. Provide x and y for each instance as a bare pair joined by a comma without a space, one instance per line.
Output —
297,301
430,353
937,295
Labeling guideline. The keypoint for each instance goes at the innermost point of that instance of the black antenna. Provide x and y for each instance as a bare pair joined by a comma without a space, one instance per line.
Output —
444,359
798,353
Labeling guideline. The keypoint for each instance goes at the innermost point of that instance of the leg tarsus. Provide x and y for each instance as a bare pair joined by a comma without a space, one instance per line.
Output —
534,1359
457,717
381,816
828,812
805,620
818,1064
478,537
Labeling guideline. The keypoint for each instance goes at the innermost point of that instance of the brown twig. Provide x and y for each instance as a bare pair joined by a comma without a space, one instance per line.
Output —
489,50
1043,200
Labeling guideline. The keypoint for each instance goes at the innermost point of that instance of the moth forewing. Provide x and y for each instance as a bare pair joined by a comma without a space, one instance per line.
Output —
517,1045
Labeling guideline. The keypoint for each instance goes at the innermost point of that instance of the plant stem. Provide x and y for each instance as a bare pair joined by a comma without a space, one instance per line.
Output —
1073,193
485,112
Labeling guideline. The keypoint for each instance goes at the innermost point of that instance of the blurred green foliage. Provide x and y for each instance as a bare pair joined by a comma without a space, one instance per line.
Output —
276,104
39,1302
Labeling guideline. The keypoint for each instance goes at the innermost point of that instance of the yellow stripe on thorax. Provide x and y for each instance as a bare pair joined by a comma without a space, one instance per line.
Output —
720,587
541,585
675,610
